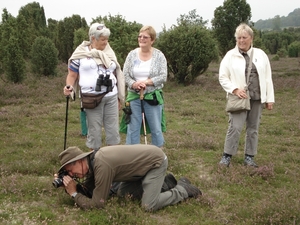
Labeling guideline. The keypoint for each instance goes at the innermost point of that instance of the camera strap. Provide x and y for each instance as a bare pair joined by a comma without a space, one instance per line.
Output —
91,161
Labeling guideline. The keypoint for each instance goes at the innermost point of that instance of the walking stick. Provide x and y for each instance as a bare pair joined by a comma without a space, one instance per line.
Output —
66,121
67,109
143,114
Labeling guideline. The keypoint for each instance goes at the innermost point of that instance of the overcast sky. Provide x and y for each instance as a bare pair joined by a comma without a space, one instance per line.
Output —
152,12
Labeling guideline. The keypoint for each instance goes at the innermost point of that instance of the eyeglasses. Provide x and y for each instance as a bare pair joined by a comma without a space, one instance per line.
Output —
100,27
143,37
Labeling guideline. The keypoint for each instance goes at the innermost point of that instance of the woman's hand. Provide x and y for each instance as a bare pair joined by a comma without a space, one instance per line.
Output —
269,105
138,85
68,89
241,93
119,104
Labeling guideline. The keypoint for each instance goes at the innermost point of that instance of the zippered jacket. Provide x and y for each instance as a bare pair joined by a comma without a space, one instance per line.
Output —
232,72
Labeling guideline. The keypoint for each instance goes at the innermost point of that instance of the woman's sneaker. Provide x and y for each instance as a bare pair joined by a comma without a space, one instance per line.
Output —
225,160
249,161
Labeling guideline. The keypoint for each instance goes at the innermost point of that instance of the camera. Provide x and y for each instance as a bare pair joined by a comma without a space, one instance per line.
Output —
105,81
58,182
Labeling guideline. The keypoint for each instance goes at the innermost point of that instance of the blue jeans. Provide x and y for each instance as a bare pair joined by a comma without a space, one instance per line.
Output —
153,116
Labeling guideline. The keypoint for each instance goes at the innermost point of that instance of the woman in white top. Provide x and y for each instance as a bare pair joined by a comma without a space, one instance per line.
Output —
145,70
88,63
232,77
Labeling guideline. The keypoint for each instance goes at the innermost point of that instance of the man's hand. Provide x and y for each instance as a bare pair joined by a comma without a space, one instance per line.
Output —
70,184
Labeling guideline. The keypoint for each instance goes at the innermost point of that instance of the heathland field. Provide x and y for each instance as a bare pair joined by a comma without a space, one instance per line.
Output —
32,120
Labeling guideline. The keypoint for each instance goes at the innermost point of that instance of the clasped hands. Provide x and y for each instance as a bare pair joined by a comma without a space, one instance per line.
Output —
139,85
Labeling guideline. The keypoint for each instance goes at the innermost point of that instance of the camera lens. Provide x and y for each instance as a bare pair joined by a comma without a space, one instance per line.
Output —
58,182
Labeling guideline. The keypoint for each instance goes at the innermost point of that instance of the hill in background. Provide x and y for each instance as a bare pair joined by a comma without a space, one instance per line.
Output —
277,23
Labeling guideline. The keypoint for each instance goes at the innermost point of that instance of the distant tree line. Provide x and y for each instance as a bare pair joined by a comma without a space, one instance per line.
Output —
279,23
30,44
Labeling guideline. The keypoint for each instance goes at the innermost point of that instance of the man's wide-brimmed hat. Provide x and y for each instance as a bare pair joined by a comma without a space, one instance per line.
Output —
71,154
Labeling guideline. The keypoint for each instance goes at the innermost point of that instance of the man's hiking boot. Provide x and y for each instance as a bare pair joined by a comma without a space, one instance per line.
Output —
193,191
169,182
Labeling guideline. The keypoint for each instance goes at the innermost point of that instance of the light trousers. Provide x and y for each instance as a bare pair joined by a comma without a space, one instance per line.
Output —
236,124
152,198
106,115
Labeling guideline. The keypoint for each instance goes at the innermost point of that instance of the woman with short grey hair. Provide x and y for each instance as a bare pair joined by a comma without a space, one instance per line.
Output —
233,74
94,66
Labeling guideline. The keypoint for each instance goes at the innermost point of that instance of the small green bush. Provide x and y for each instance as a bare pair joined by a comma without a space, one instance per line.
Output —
44,58
282,52
275,58
294,49
14,63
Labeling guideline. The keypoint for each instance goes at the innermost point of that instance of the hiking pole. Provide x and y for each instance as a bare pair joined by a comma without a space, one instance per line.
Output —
143,114
66,120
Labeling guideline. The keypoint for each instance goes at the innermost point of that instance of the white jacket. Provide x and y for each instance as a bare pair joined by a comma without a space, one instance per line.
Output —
232,72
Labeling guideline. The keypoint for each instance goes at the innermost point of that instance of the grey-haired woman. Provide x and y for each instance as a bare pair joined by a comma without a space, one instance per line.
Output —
232,77
90,60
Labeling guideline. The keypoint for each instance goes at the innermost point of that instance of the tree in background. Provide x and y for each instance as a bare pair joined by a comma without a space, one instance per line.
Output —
226,19
294,49
290,21
274,40
44,57
53,31
276,23
24,33
4,35
34,16
65,32
188,47
14,63
80,35
123,36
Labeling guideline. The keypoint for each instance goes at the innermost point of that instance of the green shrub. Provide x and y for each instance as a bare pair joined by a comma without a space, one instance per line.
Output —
44,57
190,58
282,53
294,49
275,58
14,64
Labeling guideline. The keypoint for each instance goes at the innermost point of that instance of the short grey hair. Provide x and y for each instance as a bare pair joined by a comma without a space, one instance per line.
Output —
97,30
243,27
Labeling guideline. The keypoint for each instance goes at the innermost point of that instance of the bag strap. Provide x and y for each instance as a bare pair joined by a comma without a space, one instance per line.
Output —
249,68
